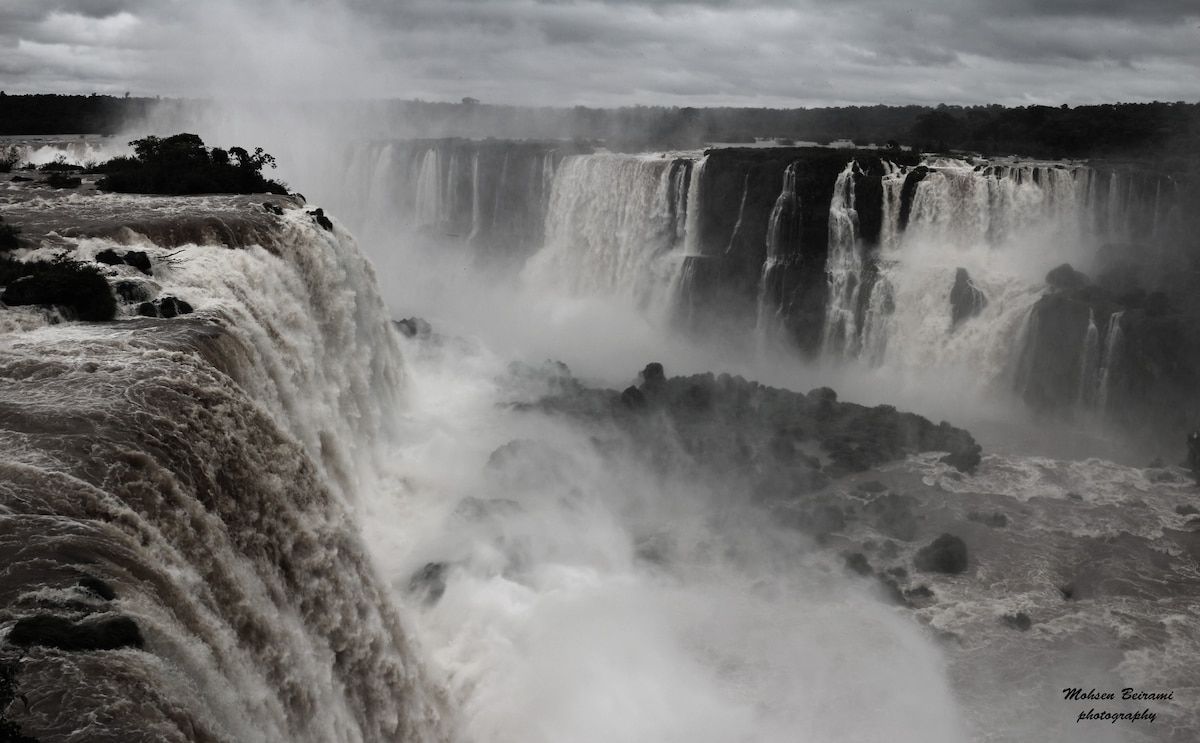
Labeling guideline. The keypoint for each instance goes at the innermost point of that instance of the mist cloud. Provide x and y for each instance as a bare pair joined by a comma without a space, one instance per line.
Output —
610,52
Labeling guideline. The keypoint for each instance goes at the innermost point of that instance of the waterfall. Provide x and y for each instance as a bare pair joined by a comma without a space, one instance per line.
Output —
613,228
844,268
785,215
1112,350
999,222
204,473
428,208
1088,364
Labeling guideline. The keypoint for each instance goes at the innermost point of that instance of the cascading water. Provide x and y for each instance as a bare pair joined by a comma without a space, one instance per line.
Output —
1089,362
781,229
1112,350
844,268
1006,225
199,476
615,226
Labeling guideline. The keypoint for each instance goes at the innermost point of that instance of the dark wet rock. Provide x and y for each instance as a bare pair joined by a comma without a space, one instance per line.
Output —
429,582
10,236
109,257
1072,495
966,299
97,587
994,520
105,633
697,398
134,291
173,307
727,428
136,258
1186,510
166,307
139,260
653,375
966,456
62,180
414,327
21,179
1065,277
908,191
858,563
1068,592
892,514
319,217
920,592
1019,621
270,208
946,554
633,398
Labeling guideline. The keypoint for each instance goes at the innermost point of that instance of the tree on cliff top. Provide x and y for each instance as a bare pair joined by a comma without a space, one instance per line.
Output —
181,164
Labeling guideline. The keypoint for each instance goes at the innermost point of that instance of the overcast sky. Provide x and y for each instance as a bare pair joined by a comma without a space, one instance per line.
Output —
775,53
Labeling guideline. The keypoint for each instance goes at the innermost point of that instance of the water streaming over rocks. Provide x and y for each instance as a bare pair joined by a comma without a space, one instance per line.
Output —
203,471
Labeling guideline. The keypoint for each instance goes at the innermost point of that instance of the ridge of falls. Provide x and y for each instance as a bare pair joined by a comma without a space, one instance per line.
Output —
199,478
846,258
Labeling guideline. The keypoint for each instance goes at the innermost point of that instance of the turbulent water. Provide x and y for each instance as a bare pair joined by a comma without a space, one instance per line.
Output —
325,530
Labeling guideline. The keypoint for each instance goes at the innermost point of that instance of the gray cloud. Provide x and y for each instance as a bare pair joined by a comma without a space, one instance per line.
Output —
611,52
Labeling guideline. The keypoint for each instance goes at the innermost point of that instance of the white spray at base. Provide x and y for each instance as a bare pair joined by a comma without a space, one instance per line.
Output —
589,600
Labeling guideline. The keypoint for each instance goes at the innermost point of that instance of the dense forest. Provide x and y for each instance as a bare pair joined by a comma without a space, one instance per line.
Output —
1109,130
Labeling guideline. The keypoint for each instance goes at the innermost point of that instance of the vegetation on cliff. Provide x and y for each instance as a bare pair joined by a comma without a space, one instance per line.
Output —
1034,131
78,288
182,164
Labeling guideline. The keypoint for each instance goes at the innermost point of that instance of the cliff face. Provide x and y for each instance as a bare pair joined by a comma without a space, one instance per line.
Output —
740,191
881,258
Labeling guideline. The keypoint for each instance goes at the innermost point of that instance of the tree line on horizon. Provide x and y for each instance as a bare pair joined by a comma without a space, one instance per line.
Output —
1105,130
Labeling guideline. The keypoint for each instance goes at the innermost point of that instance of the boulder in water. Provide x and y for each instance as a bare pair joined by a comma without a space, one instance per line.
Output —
414,327
1065,277
429,582
946,554
966,299
51,631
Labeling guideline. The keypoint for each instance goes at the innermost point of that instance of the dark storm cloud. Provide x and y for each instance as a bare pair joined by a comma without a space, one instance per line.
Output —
608,52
